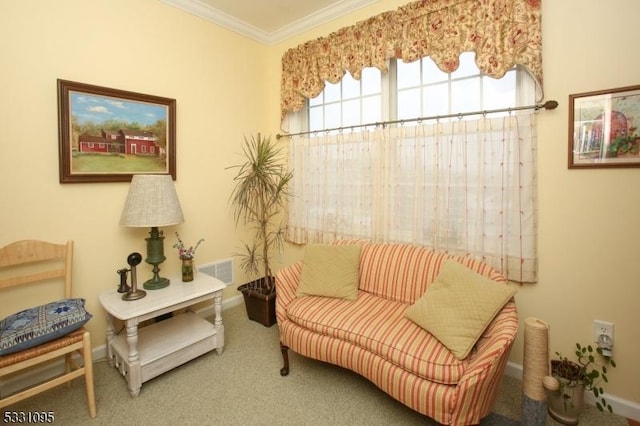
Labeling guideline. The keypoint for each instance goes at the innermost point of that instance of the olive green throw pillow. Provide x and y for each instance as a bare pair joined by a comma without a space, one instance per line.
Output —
458,306
330,271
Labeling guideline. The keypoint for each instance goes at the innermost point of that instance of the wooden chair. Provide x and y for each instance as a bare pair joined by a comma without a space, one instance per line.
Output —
21,264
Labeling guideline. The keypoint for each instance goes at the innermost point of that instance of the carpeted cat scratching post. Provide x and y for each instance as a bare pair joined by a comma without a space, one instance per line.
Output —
535,368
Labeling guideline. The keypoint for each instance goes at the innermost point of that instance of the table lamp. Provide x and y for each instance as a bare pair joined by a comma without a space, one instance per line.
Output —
152,202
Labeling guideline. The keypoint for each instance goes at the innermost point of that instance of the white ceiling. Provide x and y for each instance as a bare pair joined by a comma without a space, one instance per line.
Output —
269,21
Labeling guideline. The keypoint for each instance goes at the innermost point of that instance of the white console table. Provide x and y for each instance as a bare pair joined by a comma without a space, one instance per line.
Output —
141,355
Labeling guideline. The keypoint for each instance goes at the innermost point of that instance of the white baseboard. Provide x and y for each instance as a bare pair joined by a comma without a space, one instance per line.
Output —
621,407
232,301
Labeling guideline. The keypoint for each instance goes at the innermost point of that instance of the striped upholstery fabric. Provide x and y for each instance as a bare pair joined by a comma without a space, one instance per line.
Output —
379,326
372,337
403,272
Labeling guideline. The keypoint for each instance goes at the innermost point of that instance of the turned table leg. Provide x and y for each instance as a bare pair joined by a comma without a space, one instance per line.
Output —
110,336
284,371
134,376
217,321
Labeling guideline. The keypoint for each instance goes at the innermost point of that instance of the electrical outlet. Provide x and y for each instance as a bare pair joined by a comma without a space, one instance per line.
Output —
603,335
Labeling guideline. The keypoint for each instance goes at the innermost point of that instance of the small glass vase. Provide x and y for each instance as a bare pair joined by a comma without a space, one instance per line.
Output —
187,269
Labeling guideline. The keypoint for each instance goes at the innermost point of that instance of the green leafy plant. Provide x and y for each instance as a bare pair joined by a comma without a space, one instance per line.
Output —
590,369
258,198
626,144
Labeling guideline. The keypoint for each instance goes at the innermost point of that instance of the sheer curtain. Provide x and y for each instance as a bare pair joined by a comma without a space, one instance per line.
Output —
462,186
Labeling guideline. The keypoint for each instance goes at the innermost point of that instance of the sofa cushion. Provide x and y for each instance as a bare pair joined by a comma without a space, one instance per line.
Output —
38,325
403,272
330,271
458,306
379,325
397,271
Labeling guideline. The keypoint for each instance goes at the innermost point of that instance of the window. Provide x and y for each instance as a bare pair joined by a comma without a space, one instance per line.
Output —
413,90
465,186
348,102
423,90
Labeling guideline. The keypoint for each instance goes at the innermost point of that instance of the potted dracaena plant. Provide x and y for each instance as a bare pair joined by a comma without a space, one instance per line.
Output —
566,402
258,198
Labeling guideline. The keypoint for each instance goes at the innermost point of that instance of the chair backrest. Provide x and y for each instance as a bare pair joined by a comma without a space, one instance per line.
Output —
28,261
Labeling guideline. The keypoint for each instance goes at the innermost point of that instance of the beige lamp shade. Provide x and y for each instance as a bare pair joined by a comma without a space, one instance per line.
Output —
152,201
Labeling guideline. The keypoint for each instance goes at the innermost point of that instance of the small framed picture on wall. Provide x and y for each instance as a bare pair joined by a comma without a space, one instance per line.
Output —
603,128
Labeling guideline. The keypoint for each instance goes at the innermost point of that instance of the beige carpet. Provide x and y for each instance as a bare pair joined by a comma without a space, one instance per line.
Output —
243,387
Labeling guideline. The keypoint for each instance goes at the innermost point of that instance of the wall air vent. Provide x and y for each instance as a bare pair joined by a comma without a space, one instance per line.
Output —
222,270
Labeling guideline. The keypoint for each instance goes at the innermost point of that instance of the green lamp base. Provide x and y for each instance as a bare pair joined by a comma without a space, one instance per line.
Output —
155,256
156,283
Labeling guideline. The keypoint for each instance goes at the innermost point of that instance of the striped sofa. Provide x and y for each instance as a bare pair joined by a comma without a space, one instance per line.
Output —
372,337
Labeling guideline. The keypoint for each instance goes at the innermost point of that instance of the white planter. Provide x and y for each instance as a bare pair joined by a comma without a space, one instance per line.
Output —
566,403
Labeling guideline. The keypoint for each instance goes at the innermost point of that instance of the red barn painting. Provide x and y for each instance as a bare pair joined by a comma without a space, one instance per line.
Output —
98,144
139,142
134,142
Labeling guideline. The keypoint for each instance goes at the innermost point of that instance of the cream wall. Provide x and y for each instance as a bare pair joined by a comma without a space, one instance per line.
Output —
145,46
589,237
227,86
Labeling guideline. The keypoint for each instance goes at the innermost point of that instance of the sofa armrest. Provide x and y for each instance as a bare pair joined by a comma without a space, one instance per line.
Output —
495,342
481,381
287,281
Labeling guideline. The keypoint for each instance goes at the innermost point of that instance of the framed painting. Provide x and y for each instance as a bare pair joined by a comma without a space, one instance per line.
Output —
109,135
603,128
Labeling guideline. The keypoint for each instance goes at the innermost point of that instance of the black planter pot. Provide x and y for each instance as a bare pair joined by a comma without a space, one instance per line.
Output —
259,302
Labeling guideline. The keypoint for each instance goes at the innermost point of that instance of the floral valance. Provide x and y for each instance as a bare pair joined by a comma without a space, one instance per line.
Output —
502,33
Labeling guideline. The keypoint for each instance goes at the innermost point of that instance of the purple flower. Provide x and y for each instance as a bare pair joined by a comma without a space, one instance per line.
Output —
186,253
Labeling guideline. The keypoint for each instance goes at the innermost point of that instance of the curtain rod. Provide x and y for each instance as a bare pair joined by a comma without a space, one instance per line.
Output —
546,105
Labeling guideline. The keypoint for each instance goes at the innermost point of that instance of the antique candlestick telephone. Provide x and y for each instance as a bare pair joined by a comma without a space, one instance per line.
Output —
131,293
123,288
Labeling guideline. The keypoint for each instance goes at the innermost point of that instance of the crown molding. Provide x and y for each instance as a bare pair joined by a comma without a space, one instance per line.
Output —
318,18
216,16
225,20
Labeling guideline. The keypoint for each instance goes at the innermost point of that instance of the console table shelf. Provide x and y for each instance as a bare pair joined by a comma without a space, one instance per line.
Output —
167,344
142,354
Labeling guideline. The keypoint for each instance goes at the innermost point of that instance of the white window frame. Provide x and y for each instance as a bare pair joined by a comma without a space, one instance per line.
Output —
524,95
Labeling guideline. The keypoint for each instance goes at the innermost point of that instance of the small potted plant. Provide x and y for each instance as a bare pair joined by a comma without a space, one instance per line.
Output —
574,378
627,145
186,255
258,199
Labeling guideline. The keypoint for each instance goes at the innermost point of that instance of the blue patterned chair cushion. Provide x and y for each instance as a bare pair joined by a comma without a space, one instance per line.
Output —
41,324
